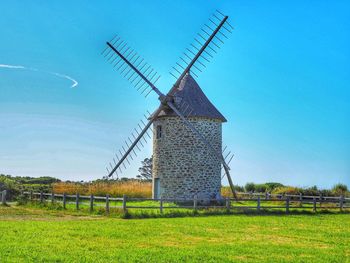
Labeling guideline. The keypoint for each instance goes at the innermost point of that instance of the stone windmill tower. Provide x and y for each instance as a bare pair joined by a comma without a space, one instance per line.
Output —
182,165
187,132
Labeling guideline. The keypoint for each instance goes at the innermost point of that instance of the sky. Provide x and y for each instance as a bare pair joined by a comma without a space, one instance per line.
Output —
281,80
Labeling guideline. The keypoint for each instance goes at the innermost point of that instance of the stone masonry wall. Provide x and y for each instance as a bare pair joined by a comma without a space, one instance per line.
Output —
184,165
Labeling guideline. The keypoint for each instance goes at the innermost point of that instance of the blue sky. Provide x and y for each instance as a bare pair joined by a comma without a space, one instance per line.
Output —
282,81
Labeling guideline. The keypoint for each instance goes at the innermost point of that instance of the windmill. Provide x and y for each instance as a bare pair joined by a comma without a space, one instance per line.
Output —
187,136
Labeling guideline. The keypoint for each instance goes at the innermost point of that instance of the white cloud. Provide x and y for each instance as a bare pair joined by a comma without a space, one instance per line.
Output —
75,83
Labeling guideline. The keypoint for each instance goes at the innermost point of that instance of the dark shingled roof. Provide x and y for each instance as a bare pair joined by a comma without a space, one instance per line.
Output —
189,93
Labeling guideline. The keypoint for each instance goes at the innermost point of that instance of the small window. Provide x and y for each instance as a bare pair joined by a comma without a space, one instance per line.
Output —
159,131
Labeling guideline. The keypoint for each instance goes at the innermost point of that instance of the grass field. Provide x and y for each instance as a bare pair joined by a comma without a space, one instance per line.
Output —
37,235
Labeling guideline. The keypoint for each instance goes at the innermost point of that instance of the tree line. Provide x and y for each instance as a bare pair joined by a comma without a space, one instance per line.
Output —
16,184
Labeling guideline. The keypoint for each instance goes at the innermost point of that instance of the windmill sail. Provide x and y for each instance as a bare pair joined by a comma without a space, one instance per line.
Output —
131,66
201,51
131,145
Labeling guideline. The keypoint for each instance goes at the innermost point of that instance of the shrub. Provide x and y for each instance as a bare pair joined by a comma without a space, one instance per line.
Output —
271,186
340,189
22,200
249,187
261,188
126,215
326,192
310,191
287,190
258,188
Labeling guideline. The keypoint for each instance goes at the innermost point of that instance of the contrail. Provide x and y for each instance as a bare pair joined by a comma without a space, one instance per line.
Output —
75,83
11,66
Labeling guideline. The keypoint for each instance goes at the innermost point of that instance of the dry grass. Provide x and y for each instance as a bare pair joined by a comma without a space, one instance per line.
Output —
130,188
226,191
135,189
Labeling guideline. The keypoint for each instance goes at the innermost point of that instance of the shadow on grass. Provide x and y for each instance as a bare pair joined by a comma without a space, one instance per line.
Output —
223,212
175,213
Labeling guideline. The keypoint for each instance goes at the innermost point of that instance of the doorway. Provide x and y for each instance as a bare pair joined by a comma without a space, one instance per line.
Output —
156,188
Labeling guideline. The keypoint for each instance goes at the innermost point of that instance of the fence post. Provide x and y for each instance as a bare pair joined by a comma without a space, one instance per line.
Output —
107,204
31,195
341,202
266,195
52,197
314,204
228,203
258,204
124,203
301,199
195,203
3,197
161,206
287,204
41,197
91,203
77,201
64,200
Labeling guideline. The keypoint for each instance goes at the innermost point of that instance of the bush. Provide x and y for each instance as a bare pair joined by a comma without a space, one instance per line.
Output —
261,188
126,215
22,200
326,192
271,186
249,187
340,189
287,190
257,188
310,191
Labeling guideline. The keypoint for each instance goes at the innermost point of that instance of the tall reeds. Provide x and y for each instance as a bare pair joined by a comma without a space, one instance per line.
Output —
136,189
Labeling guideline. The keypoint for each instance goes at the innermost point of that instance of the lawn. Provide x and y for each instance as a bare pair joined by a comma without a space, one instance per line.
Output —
29,234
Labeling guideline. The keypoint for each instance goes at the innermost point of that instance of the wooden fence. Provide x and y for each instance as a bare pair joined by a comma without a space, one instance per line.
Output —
3,197
251,201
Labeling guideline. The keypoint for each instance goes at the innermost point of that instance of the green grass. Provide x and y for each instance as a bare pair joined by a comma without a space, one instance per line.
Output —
30,234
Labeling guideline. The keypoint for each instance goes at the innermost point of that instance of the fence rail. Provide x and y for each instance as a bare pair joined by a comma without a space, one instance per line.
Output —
253,201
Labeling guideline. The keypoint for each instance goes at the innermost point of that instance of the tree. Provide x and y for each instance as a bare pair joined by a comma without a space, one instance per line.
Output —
145,170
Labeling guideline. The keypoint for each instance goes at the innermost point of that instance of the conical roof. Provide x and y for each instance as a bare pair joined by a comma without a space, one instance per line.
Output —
192,102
